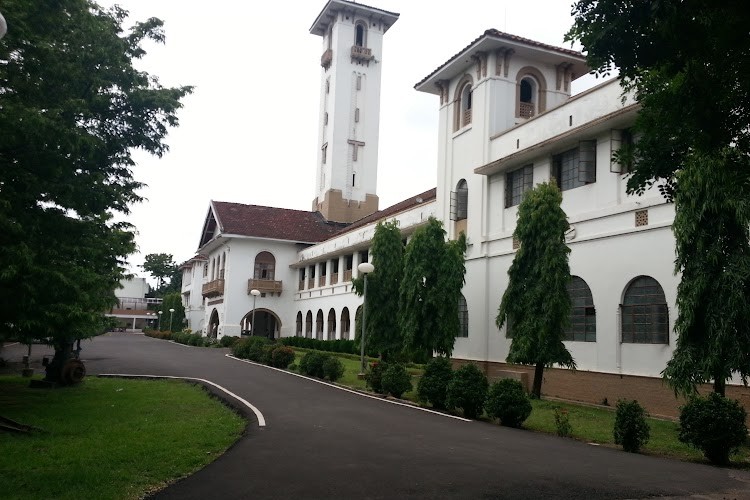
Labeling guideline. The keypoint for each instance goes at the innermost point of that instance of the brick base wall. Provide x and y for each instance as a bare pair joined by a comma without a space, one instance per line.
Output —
595,387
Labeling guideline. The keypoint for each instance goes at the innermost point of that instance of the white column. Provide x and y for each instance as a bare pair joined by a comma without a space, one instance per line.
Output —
355,263
342,264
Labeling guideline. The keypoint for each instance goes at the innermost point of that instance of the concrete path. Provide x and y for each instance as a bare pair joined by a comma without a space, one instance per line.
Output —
321,442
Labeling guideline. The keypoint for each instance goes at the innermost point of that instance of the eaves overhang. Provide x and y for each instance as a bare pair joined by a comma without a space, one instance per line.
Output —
328,14
498,41
621,118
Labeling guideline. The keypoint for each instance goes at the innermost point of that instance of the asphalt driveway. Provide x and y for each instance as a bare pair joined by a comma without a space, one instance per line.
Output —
321,442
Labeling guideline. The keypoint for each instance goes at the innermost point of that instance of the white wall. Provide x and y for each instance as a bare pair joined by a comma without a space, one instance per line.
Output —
132,288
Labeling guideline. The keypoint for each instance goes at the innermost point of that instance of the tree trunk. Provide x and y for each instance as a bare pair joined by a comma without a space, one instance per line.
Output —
536,391
720,385
63,352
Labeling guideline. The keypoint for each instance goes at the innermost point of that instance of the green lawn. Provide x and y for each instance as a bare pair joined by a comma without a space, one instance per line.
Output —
109,438
595,425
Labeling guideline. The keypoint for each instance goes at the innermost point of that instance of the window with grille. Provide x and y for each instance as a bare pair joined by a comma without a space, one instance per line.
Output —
463,317
644,313
516,183
298,332
308,324
459,201
265,266
345,323
582,313
576,167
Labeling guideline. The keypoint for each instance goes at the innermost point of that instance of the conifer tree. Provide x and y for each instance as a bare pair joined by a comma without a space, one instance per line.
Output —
536,306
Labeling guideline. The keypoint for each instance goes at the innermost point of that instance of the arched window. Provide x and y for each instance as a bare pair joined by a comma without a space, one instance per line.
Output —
462,103
331,324
319,325
298,332
265,266
463,317
308,325
345,323
645,315
582,313
531,91
460,201
527,101
360,35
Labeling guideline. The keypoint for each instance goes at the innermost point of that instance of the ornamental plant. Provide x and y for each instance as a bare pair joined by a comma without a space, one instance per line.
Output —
467,390
715,425
396,380
631,429
282,356
333,368
312,364
374,376
433,385
507,401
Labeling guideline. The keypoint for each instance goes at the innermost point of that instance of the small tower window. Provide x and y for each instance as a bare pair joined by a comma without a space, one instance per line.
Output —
466,105
462,103
359,35
527,102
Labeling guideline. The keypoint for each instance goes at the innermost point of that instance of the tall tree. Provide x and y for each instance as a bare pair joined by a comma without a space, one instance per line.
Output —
536,304
173,321
159,266
383,330
688,64
73,108
434,272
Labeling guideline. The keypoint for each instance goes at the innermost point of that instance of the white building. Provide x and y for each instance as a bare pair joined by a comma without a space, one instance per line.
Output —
507,121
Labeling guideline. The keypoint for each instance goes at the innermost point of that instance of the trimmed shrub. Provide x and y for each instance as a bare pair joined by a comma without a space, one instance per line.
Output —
312,364
374,376
333,368
228,340
434,383
194,339
507,401
715,425
467,390
631,429
282,356
293,367
251,348
342,345
396,380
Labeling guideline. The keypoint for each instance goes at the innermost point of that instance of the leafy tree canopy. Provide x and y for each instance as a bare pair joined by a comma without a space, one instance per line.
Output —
688,63
536,303
430,290
73,109
160,266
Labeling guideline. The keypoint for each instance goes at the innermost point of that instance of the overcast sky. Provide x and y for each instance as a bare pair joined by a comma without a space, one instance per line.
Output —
248,132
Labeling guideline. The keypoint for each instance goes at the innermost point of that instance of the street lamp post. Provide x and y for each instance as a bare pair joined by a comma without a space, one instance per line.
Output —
255,294
364,268
171,315
158,325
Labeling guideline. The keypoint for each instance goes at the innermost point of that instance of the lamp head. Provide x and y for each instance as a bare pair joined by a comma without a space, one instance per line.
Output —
366,268
254,292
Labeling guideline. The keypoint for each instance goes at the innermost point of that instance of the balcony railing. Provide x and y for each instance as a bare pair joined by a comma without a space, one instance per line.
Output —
301,285
361,53
264,286
311,283
213,288
526,109
322,281
334,278
326,58
348,275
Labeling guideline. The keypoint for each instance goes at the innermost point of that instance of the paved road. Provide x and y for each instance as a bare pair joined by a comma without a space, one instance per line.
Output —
320,442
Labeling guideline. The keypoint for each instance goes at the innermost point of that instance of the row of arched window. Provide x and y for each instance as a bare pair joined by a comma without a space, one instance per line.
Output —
644,314
306,329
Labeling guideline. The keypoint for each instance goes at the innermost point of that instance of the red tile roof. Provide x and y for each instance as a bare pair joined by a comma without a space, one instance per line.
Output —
196,258
275,223
401,206
493,33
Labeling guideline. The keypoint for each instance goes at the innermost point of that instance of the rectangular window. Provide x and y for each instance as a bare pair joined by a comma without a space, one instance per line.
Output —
356,115
621,150
516,183
359,82
324,153
576,167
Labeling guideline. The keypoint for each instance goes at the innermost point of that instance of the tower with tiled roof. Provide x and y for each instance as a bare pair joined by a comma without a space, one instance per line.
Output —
351,64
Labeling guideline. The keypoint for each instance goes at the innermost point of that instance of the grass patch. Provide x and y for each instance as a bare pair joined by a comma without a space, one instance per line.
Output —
109,438
595,425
